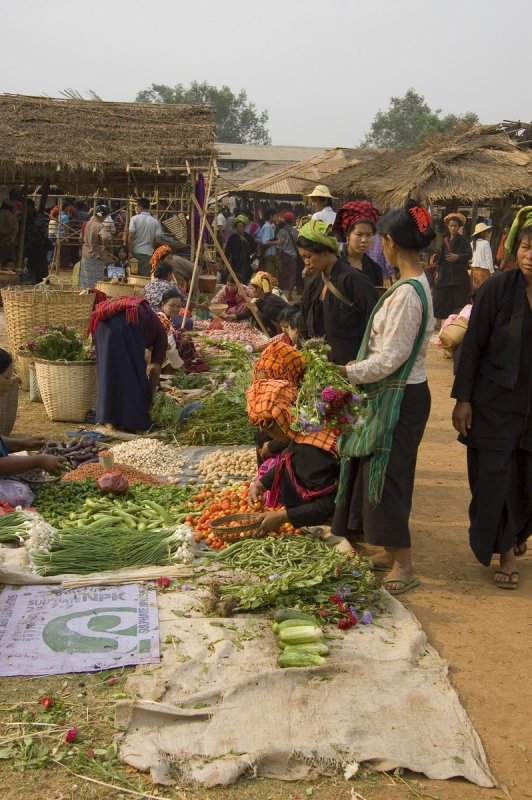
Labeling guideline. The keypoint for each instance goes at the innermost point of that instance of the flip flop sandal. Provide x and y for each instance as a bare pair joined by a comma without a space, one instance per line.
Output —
379,567
509,584
406,585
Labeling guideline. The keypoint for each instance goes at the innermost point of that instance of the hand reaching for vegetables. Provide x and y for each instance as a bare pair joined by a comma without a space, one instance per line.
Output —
256,490
52,464
33,443
272,521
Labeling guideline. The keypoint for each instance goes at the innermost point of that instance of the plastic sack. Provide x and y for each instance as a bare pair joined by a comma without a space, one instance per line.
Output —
16,493
113,483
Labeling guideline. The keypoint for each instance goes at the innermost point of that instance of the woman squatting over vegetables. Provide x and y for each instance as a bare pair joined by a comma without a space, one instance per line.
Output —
18,465
181,351
391,367
305,476
493,392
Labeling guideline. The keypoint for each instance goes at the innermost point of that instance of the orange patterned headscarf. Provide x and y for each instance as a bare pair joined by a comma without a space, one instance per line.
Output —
158,255
271,401
279,361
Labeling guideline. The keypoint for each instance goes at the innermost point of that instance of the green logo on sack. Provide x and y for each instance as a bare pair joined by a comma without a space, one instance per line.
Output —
61,637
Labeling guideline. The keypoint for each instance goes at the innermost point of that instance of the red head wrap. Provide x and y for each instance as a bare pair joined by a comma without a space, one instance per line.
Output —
350,213
421,217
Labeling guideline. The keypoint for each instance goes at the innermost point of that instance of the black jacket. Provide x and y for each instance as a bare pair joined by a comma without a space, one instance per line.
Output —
342,326
493,340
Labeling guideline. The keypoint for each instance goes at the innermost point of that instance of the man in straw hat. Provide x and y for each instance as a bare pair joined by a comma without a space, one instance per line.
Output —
321,201
482,261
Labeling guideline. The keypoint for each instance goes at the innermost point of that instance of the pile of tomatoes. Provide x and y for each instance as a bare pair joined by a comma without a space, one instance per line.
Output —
209,504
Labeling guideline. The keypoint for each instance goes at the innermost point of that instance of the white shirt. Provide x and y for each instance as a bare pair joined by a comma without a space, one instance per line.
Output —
221,221
394,330
326,215
482,255
145,228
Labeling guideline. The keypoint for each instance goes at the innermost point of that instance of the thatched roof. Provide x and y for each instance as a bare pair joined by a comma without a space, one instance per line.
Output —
298,179
85,144
477,164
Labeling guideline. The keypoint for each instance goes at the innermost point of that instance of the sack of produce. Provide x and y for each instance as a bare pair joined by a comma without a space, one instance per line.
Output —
113,483
16,493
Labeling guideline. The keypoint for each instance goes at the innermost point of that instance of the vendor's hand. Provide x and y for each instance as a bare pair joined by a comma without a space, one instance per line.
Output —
52,464
255,493
462,417
265,451
341,369
272,521
32,443
229,317
451,257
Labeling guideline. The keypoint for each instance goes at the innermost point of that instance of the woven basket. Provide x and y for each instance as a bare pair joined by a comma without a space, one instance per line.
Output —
119,289
453,334
68,388
8,408
246,530
218,309
35,394
23,359
27,307
207,283
177,226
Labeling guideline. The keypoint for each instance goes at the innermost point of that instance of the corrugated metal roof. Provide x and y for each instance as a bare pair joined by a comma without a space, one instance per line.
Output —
299,178
265,152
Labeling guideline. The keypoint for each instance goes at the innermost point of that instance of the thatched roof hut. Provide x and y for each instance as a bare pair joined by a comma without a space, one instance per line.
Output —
293,181
87,145
471,165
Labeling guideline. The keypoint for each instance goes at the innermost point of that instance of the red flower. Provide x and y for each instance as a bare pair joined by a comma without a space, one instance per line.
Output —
343,624
71,735
335,599
46,701
163,583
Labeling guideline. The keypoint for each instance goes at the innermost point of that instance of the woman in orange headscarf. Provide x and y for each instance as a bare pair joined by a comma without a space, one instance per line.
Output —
305,478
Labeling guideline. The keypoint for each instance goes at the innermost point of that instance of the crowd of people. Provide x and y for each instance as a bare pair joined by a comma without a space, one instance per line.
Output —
364,287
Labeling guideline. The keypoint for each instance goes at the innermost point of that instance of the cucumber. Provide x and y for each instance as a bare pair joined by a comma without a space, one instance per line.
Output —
318,648
283,614
294,623
301,635
299,659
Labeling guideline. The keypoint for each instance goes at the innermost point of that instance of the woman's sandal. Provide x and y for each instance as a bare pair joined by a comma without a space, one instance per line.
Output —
510,583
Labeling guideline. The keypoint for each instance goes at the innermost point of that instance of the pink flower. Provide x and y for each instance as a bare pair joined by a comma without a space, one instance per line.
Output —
71,735
328,394
163,583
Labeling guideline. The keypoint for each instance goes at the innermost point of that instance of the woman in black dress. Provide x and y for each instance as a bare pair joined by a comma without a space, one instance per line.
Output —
240,249
452,287
493,392
355,224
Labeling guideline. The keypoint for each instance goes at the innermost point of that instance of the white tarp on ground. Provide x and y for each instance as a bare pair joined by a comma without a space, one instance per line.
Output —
45,630
217,706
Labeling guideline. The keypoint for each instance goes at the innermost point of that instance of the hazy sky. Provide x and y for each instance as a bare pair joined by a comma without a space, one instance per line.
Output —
321,69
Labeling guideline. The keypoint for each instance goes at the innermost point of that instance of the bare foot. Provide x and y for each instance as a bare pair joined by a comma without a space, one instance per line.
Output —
520,548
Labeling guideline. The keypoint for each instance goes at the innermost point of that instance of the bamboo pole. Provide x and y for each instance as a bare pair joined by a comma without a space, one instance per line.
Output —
22,229
218,246
203,219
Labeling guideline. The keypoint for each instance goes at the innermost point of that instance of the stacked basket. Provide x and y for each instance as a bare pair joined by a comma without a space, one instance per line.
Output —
26,308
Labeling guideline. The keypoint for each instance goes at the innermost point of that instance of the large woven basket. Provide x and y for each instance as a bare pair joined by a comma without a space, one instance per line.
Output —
177,226
27,307
138,280
35,394
23,360
68,388
8,408
120,289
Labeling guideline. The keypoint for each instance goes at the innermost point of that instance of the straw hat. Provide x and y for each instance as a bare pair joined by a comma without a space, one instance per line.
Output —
320,191
480,227
455,215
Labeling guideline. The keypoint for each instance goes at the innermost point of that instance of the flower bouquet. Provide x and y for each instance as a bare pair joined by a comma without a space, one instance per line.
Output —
325,398
59,343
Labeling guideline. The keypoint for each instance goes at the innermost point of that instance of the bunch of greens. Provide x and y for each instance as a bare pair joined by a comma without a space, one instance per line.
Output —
193,380
298,572
325,399
58,343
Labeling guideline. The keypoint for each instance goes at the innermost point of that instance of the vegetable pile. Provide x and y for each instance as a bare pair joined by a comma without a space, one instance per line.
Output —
300,638
109,512
15,527
218,467
96,471
76,452
149,455
303,573
187,381
81,551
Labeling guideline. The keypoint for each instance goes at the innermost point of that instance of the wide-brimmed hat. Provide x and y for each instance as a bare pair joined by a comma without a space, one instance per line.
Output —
455,215
480,227
320,191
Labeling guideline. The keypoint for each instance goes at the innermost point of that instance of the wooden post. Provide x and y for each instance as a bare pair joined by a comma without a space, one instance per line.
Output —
231,271
203,219
474,216
22,229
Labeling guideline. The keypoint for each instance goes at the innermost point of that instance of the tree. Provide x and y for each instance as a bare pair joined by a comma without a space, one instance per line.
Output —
237,119
408,120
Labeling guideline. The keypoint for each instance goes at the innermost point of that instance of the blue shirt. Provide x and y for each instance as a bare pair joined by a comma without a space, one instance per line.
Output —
267,234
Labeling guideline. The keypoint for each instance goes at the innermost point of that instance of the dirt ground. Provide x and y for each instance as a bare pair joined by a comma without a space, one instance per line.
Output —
484,633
